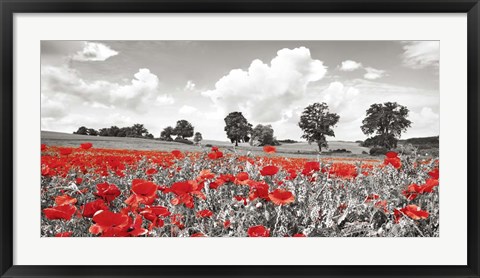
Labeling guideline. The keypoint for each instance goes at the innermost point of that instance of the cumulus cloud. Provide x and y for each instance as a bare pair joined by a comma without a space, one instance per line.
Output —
421,54
67,83
373,73
265,92
187,109
350,65
190,86
93,51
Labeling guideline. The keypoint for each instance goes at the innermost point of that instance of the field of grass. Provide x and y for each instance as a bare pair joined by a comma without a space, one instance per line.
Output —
289,150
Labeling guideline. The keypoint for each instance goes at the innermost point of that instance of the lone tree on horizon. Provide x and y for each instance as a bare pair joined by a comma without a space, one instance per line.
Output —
183,129
197,138
237,128
316,122
387,121
167,133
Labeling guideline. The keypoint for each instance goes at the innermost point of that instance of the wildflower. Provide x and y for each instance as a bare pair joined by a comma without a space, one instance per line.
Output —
258,231
281,197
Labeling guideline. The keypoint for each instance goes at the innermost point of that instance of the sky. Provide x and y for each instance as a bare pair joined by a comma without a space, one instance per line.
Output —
156,83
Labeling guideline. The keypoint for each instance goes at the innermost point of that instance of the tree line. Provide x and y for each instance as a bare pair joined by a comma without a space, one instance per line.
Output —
384,123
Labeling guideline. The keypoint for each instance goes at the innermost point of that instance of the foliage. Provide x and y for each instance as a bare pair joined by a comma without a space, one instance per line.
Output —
316,122
237,128
198,137
262,135
167,133
183,129
378,151
86,131
387,121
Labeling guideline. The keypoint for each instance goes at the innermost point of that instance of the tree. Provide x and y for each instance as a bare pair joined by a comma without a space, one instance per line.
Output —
138,130
81,130
387,121
263,135
167,133
198,137
183,129
316,122
92,132
237,128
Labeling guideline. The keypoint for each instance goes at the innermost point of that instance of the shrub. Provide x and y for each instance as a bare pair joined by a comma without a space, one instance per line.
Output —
184,141
378,151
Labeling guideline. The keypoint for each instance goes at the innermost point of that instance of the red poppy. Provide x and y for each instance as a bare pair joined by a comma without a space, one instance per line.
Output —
392,159
197,235
269,149
89,209
108,192
371,197
78,180
110,224
86,146
204,213
216,184
281,197
144,192
242,176
258,190
258,231
151,171
214,149
397,215
434,174
227,224
414,212
177,154
65,200
135,227
269,170
343,170
215,155
382,205
64,234
310,167
65,151
153,214
43,147
299,235
60,212
429,185
206,174
241,199
185,191
227,177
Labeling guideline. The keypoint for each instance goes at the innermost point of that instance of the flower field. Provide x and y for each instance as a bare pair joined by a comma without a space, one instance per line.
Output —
89,192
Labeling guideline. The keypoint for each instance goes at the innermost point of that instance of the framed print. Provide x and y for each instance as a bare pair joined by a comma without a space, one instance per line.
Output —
211,138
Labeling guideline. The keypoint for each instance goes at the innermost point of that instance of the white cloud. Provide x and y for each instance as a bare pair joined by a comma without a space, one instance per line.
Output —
186,109
373,73
350,65
67,83
93,51
265,92
190,86
421,54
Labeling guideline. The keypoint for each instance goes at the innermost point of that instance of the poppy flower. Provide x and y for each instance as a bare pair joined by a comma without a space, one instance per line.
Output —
215,155
184,192
107,191
382,205
177,154
415,212
434,174
206,174
311,167
78,180
214,149
343,170
197,235
64,234
258,231
216,184
227,224
65,200
269,170
397,215
429,185
269,149
299,235
154,215
392,159
43,147
90,208
227,177
371,197
65,151
109,224
281,197
135,228
242,176
60,212
258,190
144,192
86,146
204,213
151,171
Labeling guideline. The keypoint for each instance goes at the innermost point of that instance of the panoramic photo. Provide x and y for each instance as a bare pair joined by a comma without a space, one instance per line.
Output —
240,139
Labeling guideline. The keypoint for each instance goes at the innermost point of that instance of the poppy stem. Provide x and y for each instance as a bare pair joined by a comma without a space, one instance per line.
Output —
279,211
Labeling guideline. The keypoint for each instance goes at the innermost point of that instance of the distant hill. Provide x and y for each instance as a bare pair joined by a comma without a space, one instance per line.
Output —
421,140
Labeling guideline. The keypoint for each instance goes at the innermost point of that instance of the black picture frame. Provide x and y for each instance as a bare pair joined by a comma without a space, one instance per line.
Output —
10,7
